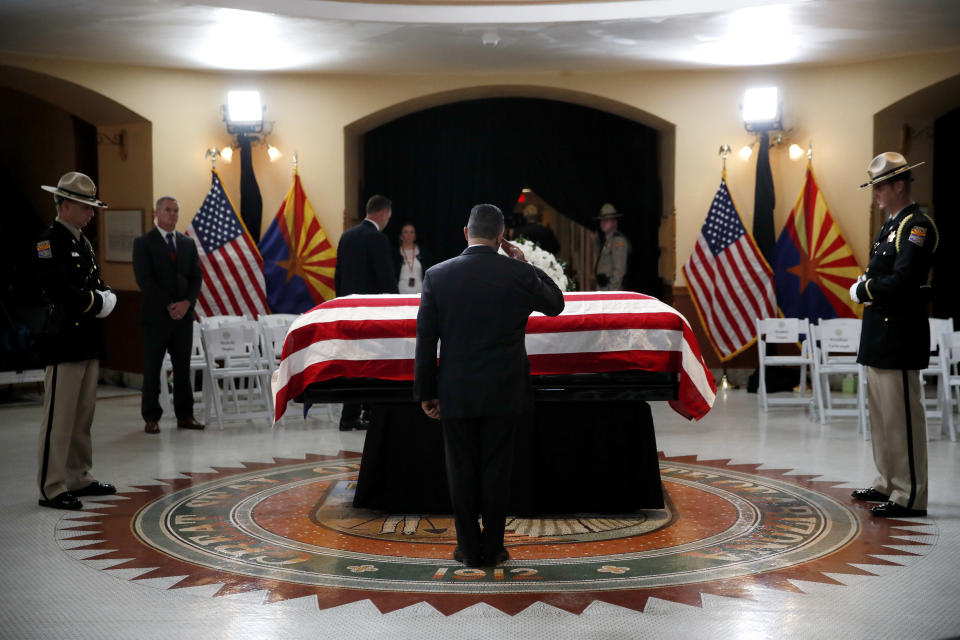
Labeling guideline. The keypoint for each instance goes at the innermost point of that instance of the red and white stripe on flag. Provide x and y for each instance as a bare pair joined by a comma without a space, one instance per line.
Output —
375,337
729,281
233,281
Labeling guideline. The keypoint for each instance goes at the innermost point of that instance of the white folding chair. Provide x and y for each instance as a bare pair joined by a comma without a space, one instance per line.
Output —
935,407
836,342
239,377
786,331
273,332
197,363
950,373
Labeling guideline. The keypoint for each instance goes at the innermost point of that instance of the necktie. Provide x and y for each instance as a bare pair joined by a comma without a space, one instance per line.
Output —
172,245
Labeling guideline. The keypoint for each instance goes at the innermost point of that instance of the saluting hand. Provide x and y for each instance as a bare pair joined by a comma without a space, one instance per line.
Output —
512,250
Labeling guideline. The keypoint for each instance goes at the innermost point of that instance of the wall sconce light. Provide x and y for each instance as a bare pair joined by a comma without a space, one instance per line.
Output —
761,109
274,153
796,152
227,154
119,139
746,151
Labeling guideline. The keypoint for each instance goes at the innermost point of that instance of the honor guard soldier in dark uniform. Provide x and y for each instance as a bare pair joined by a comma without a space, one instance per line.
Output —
614,252
895,340
70,276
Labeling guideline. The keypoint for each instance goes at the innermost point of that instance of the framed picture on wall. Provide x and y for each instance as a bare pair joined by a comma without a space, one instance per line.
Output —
120,228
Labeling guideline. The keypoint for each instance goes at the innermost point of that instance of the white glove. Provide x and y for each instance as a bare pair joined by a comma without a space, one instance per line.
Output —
109,302
853,288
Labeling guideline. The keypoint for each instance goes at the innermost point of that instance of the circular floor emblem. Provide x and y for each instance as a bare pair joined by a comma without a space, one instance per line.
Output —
290,528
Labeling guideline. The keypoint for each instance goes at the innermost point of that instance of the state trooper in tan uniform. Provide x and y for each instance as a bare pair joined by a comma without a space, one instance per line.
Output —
613,253
895,340
70,276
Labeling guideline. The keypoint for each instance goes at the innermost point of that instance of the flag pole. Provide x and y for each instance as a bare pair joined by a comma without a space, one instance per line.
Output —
724,151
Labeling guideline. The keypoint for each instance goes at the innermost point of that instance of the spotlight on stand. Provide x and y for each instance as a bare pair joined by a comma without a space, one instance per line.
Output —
243,112
761,110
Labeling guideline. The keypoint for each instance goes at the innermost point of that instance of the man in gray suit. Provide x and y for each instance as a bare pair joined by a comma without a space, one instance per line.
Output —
476,305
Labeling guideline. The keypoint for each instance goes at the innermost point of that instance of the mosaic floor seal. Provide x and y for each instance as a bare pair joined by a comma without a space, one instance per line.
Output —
290,528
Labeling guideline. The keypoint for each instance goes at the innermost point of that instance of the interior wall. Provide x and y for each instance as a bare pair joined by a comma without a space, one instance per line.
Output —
36,148
832,105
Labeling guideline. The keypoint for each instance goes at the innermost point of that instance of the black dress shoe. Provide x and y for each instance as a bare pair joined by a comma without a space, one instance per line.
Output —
151,426
472,562
869,495
894,510
65,500
498,558
359,424
189,423
96,489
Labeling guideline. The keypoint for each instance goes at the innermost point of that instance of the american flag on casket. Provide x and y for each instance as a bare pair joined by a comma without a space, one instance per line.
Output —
374,336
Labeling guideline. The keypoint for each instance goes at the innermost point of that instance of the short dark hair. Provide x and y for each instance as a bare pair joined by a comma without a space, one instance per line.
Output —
378,203
162,198
906,178
486,221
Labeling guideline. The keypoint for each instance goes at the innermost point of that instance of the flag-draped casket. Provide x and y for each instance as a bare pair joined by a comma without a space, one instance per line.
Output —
374,336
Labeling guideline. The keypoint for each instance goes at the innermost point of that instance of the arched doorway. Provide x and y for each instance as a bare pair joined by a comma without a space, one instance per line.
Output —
439,155
925,127
49,126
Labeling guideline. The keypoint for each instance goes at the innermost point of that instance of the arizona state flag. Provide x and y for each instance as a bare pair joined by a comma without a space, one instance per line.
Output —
813,266
298,261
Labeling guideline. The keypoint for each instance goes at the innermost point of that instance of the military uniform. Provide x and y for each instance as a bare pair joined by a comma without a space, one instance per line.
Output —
612,262
70,276
894,346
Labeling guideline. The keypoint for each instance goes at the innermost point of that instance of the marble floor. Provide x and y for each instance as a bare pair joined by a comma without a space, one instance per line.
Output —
51,590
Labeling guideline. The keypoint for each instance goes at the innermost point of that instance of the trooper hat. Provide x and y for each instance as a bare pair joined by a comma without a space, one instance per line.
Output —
885,166
77,187
608,211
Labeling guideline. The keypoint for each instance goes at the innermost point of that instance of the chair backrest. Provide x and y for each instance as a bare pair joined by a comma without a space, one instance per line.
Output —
782,330
219,321
950,347
197,352
938,326
235,343
837,337
273,332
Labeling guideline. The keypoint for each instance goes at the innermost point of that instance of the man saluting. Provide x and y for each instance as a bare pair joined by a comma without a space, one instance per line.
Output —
477,305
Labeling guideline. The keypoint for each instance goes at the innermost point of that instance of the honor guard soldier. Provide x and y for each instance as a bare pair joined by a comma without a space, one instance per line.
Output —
614,251
895,340
73,346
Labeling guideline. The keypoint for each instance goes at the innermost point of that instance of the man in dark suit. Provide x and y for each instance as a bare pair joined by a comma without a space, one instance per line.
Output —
167,268
68,271
364,265
477,305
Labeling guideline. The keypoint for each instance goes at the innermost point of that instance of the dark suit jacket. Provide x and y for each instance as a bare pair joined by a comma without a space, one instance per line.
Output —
477,306
895,333
364,264
68,271
163,280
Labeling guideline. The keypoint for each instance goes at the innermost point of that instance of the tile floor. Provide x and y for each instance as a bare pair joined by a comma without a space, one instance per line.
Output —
51,592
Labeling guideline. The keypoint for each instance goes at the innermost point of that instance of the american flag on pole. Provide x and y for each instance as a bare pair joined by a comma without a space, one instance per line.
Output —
232,266
730,282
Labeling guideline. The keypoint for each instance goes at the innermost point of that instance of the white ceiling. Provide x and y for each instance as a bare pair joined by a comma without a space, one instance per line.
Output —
368,37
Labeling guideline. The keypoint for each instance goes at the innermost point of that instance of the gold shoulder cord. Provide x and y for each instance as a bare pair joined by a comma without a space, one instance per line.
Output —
903,225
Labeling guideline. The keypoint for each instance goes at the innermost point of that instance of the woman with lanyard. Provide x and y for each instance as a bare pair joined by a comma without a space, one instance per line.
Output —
410,261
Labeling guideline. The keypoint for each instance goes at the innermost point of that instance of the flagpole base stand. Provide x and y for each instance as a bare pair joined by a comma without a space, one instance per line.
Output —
725,384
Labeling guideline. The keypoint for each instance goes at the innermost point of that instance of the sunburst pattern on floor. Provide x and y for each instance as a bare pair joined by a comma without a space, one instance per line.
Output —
289,528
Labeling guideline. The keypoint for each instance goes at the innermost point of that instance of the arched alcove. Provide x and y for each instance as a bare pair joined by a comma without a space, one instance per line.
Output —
925,127
50,126
664,132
